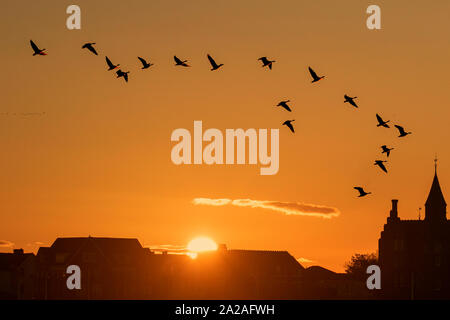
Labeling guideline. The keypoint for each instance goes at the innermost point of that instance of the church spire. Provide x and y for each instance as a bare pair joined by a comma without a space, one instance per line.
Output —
435,165
435,206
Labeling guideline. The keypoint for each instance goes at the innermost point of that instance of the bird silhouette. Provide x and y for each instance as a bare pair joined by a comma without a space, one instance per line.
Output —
314,75
145,64
284,105
361,191
213,63
123,74
402,131
266,62
36,50
381,122
90,47
289,125
179,62
381,165
111,66
350,100
386,150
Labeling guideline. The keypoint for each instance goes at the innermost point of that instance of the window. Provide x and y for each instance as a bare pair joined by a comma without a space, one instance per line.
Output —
437,261
437,284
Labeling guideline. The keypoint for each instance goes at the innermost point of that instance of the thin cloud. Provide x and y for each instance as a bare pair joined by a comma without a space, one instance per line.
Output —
211,202
169,248
6,244
36,243
288,208
304,260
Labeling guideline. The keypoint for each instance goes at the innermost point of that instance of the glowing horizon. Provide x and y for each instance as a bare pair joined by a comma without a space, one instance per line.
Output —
87,153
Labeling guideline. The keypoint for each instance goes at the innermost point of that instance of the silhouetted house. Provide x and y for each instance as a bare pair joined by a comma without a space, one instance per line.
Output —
321,283
245,274
114,268
170,276
414,255
111,268
17,275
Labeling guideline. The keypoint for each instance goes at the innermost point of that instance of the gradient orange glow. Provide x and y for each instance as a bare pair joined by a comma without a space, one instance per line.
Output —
95,157
201,244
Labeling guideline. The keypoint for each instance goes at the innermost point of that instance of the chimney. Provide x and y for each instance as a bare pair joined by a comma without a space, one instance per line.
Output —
18,251
394,213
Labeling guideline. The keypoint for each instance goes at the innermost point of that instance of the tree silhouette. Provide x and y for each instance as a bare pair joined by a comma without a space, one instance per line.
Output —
357,266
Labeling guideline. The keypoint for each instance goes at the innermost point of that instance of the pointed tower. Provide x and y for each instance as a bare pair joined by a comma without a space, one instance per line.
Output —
435,206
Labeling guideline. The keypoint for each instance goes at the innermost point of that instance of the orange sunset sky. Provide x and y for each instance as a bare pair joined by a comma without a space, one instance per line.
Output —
83,153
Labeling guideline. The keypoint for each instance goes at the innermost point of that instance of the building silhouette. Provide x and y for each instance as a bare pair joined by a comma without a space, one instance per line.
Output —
17,275
115,268
246,274
414,255
122,269
111,268
414,258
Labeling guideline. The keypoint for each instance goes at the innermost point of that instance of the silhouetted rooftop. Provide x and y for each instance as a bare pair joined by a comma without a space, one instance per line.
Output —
317,272
257,261
118,250
9,261
107,245
435,197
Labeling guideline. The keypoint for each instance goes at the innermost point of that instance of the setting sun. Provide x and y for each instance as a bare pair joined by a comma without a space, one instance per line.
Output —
201,244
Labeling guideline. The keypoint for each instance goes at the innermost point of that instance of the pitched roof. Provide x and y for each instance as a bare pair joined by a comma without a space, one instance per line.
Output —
113,249
318,272
435,197
106,245
257,261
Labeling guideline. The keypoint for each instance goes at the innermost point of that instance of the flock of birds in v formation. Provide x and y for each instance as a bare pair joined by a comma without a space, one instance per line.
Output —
265,63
